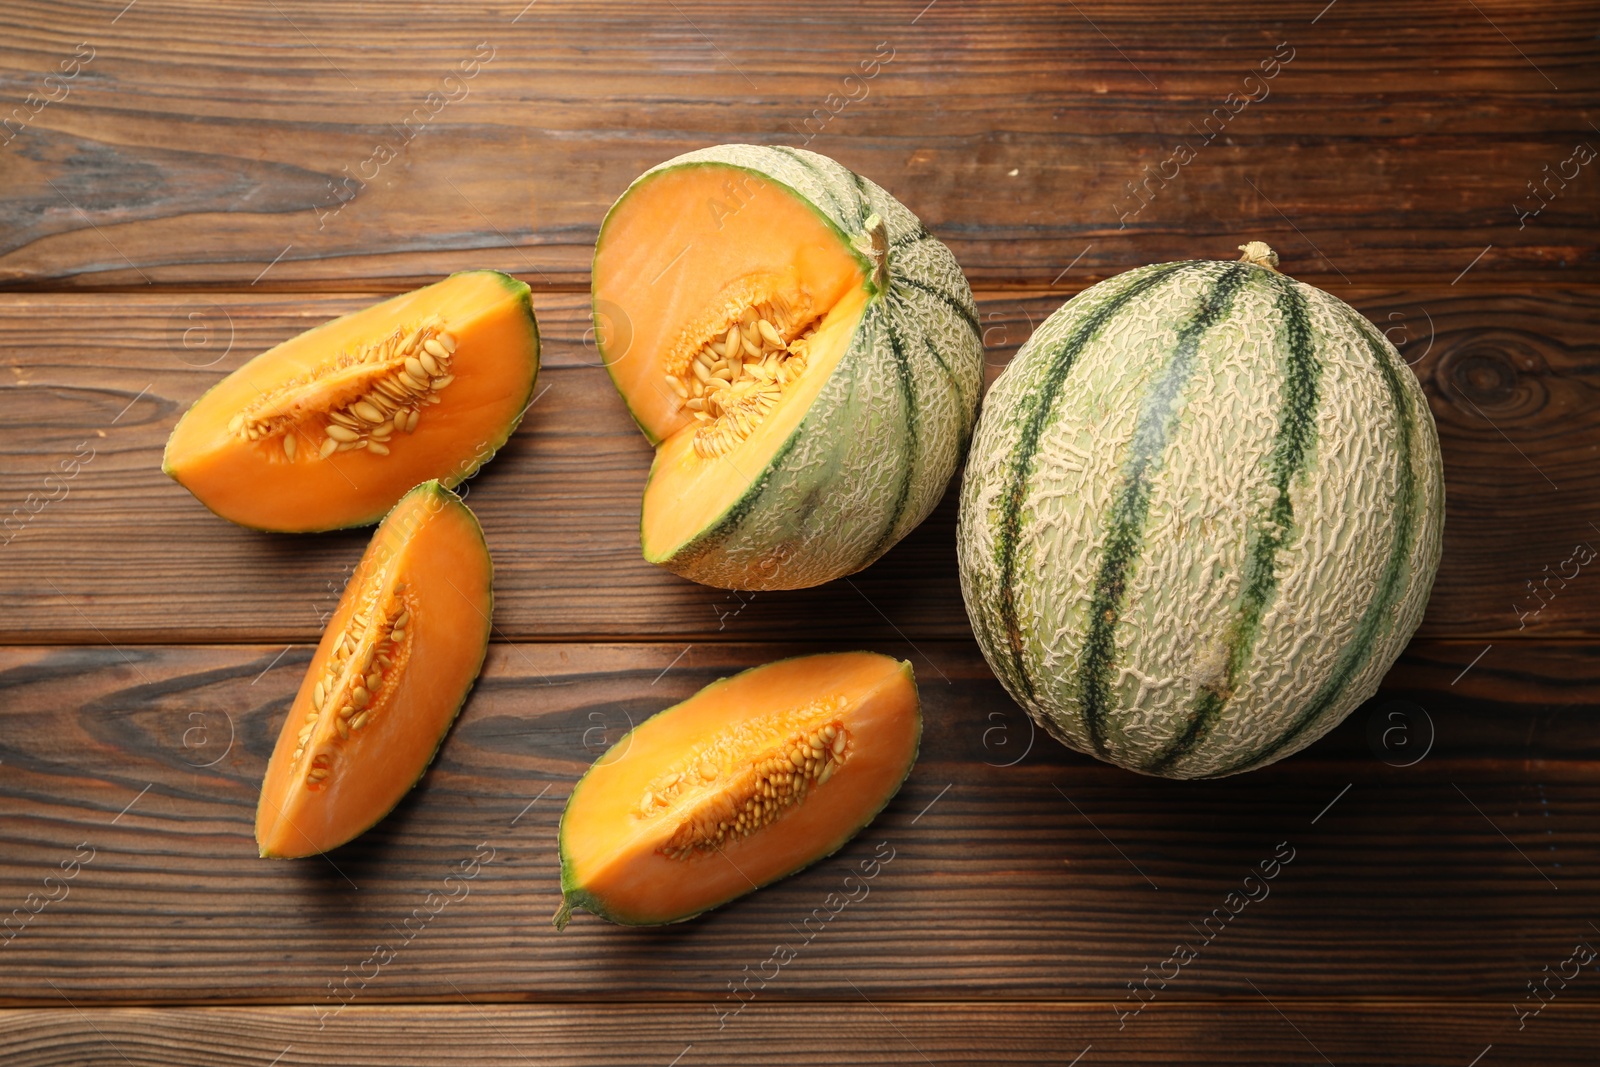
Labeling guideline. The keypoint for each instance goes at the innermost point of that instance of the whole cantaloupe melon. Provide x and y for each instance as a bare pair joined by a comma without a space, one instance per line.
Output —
1201,517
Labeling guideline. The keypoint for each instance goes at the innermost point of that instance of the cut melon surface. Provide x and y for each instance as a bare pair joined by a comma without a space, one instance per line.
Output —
748,251
748,780
683,257
397,660
330,428
688,491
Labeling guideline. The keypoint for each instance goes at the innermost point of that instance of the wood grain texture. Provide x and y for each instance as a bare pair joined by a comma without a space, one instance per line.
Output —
1016,869
300,144
120,552
1239,1033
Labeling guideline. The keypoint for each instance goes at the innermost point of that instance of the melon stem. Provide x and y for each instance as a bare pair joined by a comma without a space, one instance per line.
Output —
878,250
1260,254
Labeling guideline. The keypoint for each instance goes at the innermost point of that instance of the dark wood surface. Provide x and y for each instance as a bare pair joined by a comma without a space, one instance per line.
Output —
1019,869
123,554
1261,1031
204,142
177,209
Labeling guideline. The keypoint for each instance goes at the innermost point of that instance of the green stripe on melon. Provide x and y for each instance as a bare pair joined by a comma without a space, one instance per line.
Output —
1291,449
1201,516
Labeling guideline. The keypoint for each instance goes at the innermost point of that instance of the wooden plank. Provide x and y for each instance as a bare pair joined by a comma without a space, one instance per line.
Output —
122,553
280,145
1011,867
1228,1034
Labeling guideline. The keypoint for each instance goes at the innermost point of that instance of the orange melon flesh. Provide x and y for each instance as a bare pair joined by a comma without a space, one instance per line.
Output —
671,249
687,492
427,559
254,482
672,256
629,862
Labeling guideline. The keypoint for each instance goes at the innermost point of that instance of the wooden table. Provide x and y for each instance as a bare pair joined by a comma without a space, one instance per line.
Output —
198,182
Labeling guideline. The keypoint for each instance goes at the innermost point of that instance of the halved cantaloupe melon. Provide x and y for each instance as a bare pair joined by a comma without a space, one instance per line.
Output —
805,357
747,781
333,426
394,667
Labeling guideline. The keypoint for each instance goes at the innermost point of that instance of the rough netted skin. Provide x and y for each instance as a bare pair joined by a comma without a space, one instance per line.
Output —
877,448
1200,519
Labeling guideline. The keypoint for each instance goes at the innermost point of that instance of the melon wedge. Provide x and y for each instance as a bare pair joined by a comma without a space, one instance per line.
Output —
749,780
395,665
331,427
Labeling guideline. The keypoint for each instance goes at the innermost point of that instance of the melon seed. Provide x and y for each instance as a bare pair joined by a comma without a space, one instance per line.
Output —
750,798
342,434
752,352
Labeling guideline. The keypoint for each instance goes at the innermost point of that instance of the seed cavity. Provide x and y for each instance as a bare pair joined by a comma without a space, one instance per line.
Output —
359,678
729,368
720,793
356,400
